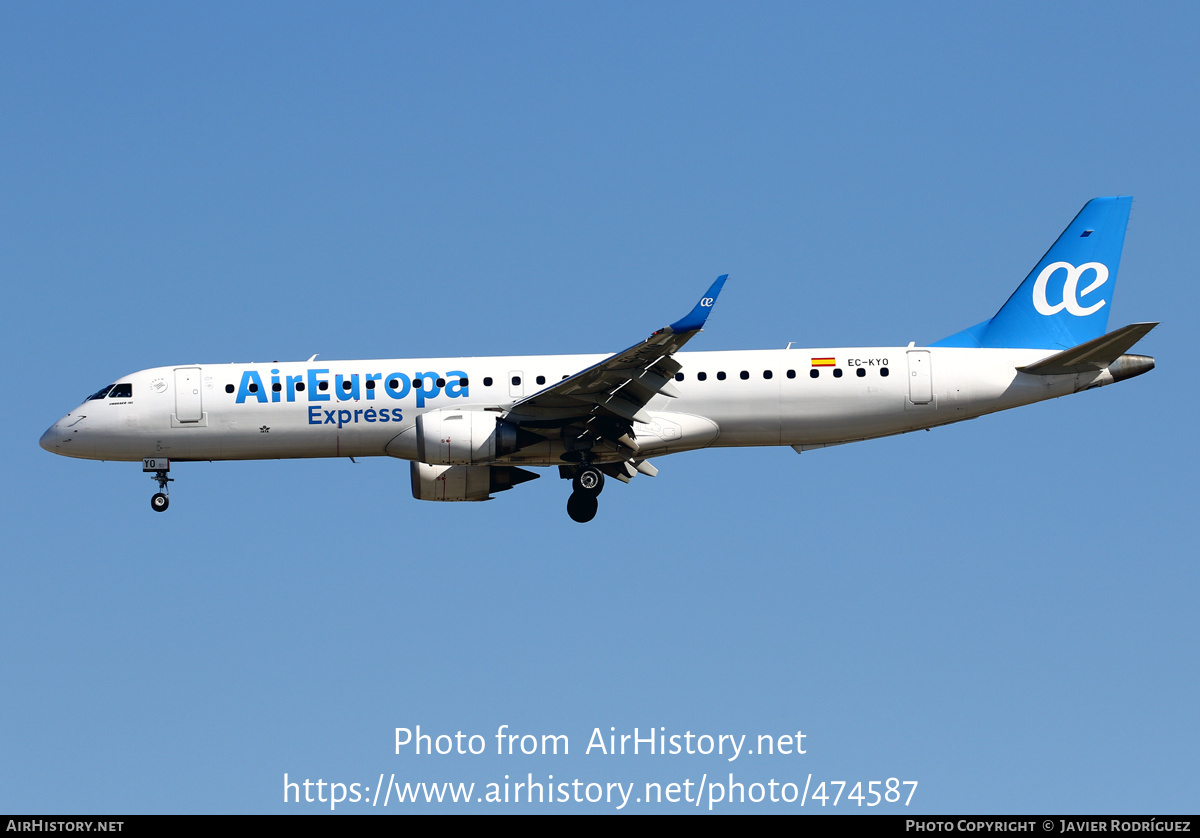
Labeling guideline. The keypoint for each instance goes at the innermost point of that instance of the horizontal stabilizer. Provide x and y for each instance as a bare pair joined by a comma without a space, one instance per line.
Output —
1091,356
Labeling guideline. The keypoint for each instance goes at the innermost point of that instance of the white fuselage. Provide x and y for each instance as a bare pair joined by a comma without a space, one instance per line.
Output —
736,398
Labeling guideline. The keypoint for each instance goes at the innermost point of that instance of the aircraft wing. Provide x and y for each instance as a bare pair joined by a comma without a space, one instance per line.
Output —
608,397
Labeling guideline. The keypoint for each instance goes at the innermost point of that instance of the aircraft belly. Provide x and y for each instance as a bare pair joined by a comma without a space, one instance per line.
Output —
836,410
666,433
747,429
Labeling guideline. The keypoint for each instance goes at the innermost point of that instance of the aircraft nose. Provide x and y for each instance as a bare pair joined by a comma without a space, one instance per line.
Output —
70,437
50,438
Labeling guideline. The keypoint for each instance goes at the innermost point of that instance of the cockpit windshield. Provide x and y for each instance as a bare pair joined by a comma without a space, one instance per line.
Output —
113,391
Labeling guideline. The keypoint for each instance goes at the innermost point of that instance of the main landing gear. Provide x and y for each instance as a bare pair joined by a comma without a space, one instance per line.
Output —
587,484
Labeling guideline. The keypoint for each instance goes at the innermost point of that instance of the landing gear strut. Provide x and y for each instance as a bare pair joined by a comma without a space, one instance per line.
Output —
588,482
160,466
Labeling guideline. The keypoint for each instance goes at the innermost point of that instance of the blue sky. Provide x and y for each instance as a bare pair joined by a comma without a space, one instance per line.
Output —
1001,610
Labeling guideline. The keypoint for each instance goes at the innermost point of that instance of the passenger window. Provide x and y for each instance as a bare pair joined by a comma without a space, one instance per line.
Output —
813,373
860,372
228,388
299,386
791,373
884,372
121,391
837,373
441,382
720,376
767,374
370,385
541,379
745,376
702,376
679,376
276,387
487,381
516,381
324,385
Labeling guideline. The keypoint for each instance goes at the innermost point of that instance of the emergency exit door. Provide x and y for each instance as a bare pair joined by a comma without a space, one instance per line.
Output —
920,379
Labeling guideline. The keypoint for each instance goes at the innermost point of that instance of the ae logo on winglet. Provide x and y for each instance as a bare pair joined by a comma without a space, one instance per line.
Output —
1071,292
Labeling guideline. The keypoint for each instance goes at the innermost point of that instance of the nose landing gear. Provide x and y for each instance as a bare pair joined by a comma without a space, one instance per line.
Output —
587,483
160,466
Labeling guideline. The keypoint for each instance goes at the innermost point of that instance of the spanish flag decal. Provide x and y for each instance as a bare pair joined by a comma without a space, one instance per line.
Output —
824,362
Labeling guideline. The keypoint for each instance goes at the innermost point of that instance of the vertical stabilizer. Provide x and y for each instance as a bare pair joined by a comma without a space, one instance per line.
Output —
1066,298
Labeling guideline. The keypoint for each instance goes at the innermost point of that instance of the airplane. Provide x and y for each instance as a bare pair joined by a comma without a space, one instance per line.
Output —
473,427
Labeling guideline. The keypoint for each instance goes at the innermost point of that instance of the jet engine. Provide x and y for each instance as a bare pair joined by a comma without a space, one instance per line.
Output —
452,437
462,483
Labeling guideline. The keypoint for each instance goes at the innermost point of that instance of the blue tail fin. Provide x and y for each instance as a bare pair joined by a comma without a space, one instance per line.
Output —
1065,299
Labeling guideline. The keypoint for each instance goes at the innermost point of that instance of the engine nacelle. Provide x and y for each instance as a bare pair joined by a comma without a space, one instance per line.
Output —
463,437
451,437
464,483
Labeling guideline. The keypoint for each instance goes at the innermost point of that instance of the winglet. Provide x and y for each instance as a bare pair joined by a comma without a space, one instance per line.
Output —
695,319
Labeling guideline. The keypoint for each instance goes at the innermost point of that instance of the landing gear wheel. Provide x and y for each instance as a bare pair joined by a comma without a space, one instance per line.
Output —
582,507
589,480
160,501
